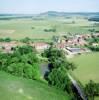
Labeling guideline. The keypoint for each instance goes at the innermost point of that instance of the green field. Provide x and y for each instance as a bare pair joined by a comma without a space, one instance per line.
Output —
14,88
87,67
20,28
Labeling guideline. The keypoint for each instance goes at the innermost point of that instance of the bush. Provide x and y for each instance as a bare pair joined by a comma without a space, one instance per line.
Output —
5,40
58,78
50,30
26,40
22,62
25,49
92,89
93,48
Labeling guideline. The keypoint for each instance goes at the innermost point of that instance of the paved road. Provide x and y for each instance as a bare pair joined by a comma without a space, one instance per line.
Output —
79,89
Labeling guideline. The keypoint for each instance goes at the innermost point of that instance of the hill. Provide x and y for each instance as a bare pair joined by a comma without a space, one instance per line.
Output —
61,14
14,88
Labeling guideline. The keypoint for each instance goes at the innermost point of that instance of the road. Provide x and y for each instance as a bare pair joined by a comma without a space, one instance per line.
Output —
77,86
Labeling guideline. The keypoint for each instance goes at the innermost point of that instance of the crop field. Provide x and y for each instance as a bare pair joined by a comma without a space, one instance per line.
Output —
87,67
15,88
21,28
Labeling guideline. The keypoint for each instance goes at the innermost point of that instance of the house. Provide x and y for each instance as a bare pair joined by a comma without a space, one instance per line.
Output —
7,46
96,34
61,45
40,45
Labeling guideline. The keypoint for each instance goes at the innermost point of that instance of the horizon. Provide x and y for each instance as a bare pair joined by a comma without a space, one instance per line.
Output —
47,12
37,7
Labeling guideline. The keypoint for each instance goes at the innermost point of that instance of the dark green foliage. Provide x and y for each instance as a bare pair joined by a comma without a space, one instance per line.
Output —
92,89
60,62
93,40
31,71
57,59
58,78
1,40
50,30
53,52
55,38
59,67
26,40
25,49
22,62
91,30
96,19
5,39
33,27
93,48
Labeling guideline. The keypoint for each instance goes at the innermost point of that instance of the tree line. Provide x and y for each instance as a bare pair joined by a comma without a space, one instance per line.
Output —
22,62
58,69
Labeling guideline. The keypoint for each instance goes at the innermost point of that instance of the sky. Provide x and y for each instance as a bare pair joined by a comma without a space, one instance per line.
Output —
39,6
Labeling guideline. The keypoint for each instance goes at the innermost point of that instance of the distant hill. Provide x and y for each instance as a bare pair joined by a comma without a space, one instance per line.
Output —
48,14
56,14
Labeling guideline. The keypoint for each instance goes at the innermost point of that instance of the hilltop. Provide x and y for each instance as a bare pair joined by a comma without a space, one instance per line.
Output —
15,88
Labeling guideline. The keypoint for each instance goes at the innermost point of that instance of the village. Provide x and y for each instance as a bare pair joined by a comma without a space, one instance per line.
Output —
72,45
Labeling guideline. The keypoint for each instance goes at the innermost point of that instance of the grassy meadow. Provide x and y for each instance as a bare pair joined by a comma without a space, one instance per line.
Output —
15,88
87,67
21,28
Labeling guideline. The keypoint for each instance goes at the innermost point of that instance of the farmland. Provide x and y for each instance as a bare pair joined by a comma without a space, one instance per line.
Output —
21,28
46,28
87,67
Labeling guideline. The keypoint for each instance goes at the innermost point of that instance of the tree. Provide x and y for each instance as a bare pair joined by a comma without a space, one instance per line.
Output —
26,40
58,66
55,38
22,62
7,39
58,78
25,49
31,71
53,52
92,89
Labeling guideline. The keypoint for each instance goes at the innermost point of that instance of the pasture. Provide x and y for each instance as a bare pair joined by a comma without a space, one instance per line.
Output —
21,28
15,88
87,67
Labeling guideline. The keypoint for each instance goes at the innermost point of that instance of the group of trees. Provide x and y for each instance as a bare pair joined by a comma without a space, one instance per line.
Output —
92,89
25,40
93,48
22,62
91,41
5,39
50,30
58,66
94,19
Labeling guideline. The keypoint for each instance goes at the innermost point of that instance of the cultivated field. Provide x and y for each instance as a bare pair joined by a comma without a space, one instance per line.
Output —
20,28
87,67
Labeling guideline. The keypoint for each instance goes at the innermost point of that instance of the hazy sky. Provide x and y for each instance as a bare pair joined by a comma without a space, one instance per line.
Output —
37,6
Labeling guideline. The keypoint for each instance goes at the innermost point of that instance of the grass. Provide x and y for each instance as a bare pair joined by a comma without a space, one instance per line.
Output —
15,88
20,28
87,67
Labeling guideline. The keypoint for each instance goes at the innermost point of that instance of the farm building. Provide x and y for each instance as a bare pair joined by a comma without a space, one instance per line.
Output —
74,51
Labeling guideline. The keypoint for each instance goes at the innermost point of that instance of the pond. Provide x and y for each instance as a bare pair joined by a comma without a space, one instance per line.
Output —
44,68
